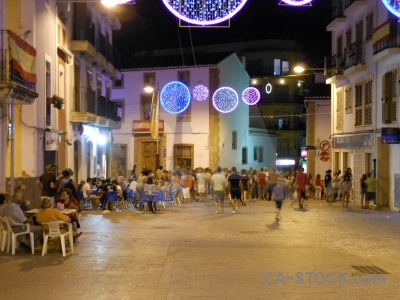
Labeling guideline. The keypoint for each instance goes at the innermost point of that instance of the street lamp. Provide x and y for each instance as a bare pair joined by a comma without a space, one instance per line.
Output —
155,118
301,67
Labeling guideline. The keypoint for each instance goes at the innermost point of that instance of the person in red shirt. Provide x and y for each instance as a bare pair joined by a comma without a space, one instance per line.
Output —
262,184
301,179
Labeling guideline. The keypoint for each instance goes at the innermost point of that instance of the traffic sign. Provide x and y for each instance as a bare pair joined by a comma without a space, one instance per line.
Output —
324,155
324,145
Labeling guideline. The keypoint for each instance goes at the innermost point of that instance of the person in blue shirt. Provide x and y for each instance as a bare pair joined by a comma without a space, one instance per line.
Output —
278,195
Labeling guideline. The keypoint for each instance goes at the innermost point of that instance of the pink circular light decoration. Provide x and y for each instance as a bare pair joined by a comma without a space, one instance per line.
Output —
225,99
251,96
200,92
297,2
204,12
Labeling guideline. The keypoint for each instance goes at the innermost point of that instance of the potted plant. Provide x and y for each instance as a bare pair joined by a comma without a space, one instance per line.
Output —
57,101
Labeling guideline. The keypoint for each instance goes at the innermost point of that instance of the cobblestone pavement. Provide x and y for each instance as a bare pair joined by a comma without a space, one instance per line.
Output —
192,253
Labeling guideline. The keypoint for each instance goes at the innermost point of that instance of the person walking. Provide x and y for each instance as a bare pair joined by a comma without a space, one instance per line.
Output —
246,186
345,187
272,181
301,179
278,195
262,183
235,186
218,184
363,188
319,186
370,191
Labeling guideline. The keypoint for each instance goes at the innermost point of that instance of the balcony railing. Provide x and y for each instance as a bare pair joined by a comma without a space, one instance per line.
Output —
101,44
84,28
337,9
354,55
386,35
85,100
334,65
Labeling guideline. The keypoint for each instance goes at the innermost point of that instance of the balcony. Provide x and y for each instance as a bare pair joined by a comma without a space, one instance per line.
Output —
95,110
337,15
334,69
17,83
354,59
386,40
84,33
353,6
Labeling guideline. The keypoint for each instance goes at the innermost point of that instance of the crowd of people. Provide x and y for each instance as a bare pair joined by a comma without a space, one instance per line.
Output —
187,185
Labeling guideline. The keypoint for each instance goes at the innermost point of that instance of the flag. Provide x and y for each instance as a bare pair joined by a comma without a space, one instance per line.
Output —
23,58
154,116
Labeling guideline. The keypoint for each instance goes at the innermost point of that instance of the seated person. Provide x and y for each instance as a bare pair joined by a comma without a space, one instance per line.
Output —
72,203
87,193
21,190
14,212
3,202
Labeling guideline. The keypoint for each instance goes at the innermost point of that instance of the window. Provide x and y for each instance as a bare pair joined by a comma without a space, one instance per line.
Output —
359,43
89,78
368,102
285,67
183,156
145,106
234,140
149,79
389,97
244,155
119,83
260,154
121,110
339,110
281,67
282,147
370,26
348,39
99,85
184,77
281,93
48,93
277,67
255,153
359,103
349,99
339,46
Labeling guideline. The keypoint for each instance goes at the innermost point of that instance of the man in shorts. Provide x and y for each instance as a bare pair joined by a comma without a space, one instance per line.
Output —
235,186
201,183
370,191
218,183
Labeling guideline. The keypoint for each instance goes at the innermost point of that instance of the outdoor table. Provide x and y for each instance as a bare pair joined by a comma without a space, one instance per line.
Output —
66,211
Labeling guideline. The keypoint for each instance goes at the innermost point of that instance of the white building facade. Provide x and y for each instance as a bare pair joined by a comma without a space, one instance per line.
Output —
365,95
200,136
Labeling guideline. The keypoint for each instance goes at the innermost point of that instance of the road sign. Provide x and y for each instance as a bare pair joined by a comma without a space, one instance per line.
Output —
324,155
324,145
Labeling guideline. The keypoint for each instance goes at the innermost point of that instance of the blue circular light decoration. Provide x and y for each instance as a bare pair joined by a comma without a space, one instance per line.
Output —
200,92
175,97
251,96
394,9
225,99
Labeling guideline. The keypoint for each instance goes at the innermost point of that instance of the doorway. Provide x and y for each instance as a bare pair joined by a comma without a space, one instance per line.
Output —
382,173
149,151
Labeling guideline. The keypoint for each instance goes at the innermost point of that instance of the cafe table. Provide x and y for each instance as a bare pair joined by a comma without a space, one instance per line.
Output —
66,211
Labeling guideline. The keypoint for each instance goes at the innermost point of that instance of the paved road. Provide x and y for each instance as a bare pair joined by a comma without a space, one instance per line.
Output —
193,253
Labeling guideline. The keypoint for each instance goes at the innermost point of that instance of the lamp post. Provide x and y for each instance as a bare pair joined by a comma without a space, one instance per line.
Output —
311,109
155,118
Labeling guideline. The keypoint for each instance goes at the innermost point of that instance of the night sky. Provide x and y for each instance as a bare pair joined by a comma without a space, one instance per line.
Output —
148,25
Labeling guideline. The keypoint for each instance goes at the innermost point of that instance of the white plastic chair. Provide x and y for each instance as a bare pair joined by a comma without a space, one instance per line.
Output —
4,235
10,224
54,232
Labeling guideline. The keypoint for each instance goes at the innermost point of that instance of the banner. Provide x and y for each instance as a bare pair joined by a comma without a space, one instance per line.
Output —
23,58
154,116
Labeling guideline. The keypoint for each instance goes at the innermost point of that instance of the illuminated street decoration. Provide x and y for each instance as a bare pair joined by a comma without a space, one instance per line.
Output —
200,92
251,96
268,88
204,12
175,97
297,2
225,99
114,2
393,6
